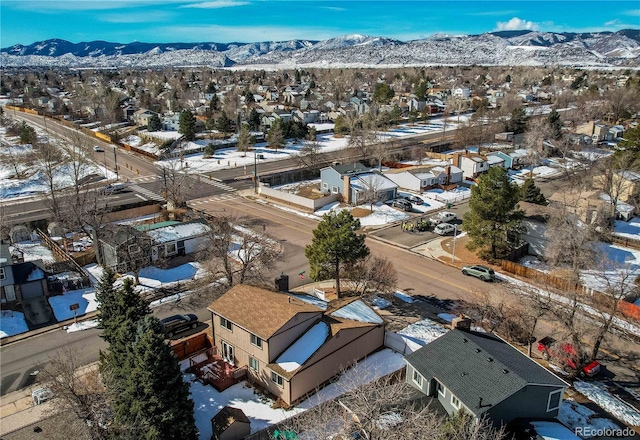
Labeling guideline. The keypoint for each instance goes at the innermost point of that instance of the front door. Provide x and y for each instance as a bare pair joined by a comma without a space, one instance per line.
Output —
227,353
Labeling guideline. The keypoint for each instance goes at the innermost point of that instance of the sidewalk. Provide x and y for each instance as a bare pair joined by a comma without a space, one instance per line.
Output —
17,410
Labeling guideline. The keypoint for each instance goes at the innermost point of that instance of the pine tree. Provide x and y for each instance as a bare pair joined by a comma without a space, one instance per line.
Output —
275,136
555,123
245,140
254,119
334,245
187,125
532,194
518,122
154,124
158,400
494,218
223,123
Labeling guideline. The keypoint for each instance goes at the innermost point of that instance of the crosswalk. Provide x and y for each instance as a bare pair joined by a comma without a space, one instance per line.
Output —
203,178
218,198
150,194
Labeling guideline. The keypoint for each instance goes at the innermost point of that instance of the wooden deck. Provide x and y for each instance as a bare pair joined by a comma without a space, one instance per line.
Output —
213,370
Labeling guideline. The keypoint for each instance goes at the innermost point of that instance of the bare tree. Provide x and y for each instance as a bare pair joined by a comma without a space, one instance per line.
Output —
176,184
238,255
371,275
47,160
78,389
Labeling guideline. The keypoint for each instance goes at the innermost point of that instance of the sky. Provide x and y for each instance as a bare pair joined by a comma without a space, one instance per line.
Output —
225,21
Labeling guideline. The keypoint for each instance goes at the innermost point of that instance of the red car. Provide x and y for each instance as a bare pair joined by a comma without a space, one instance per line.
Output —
565,353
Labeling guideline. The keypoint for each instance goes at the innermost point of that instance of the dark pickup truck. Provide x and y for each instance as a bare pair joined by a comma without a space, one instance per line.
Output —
566,354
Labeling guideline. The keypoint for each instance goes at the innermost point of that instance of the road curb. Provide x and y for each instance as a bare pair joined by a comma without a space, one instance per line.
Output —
26,335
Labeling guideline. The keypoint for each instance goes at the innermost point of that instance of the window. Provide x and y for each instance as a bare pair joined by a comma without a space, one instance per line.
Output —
253,363
255,340
276,378
325,185
134,248
417,378
2,274
171,248
455,402
440,388
334,189
226,324
554,400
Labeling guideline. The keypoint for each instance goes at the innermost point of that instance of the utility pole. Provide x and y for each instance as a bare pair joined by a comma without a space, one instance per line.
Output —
115,161
455,235
255,172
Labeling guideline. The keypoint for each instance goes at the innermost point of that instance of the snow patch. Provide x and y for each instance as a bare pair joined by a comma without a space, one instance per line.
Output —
301,350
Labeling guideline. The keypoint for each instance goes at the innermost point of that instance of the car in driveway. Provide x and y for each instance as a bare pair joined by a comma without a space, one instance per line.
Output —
414,199
479,271
403,204
443,217
444,229
179,323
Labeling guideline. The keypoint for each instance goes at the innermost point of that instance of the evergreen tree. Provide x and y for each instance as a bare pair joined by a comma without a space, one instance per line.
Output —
155,124
341,126
209,150
187,125
157,398
555,123
532,194
494,218
275,136
223,123
421,90
254,120
334,245
518,122
245,140
396,115
630,140
382,94
27,134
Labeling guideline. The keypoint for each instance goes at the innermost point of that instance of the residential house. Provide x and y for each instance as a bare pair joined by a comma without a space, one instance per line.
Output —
141,117
461,92
507,160
122,247
356,182
292,344
471,164
585,205
535,226
486,377
170,122
615,133
595,129
21,281
495,161
230,424
421,178
623,183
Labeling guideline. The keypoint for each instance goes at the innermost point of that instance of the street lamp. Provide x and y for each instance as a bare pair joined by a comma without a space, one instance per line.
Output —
255,171
455,235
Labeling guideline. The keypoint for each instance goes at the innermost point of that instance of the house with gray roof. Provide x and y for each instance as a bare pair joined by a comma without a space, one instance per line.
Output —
356,183
484,375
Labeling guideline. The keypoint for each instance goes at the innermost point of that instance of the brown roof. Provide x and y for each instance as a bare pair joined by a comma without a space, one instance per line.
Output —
260,311
226,417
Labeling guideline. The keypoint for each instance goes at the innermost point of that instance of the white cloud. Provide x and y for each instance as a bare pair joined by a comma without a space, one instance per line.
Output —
517,24
633,12
612,22
225,34
217,4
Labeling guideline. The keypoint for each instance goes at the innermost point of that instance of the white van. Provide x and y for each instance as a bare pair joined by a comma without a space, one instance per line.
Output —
113,188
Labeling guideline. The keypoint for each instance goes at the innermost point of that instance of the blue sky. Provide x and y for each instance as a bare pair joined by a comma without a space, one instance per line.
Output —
223,21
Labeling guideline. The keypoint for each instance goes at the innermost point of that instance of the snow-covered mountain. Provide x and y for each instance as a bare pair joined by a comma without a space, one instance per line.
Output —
620,48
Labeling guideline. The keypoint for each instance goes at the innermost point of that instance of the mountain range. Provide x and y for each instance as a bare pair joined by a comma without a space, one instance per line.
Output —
508,48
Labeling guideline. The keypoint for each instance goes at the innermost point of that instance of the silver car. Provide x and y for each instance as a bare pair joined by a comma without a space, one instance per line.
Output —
483,272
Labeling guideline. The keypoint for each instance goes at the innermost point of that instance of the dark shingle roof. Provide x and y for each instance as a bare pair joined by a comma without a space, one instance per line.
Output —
475,366
226,417
27,272
350,168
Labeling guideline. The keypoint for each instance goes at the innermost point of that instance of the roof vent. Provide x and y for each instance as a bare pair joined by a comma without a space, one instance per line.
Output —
505,371
465,340
489,360
478,350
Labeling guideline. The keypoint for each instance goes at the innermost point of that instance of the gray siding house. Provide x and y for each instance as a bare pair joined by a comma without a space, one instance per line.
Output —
356,183
486,376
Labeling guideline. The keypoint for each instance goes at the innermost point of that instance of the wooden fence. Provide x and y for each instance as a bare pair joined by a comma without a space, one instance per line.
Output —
186,347
626,242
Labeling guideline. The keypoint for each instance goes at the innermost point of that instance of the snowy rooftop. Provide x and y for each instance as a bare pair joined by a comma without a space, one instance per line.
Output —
372,181
178,232
358,311
301,350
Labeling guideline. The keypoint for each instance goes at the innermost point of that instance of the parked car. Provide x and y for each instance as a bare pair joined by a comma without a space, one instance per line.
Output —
178,323
414,199
479,271
444,217
444,229
403,204
567,355
424,225
97,148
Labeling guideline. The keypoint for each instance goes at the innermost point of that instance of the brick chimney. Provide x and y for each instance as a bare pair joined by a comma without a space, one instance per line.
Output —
461,323
347,189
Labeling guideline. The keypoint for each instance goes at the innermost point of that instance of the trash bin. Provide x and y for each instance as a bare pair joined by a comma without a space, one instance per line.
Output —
448,205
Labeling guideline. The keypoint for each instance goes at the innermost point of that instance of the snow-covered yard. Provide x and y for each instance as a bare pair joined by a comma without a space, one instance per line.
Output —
12,323
259,409
85,298
598,393
574,415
